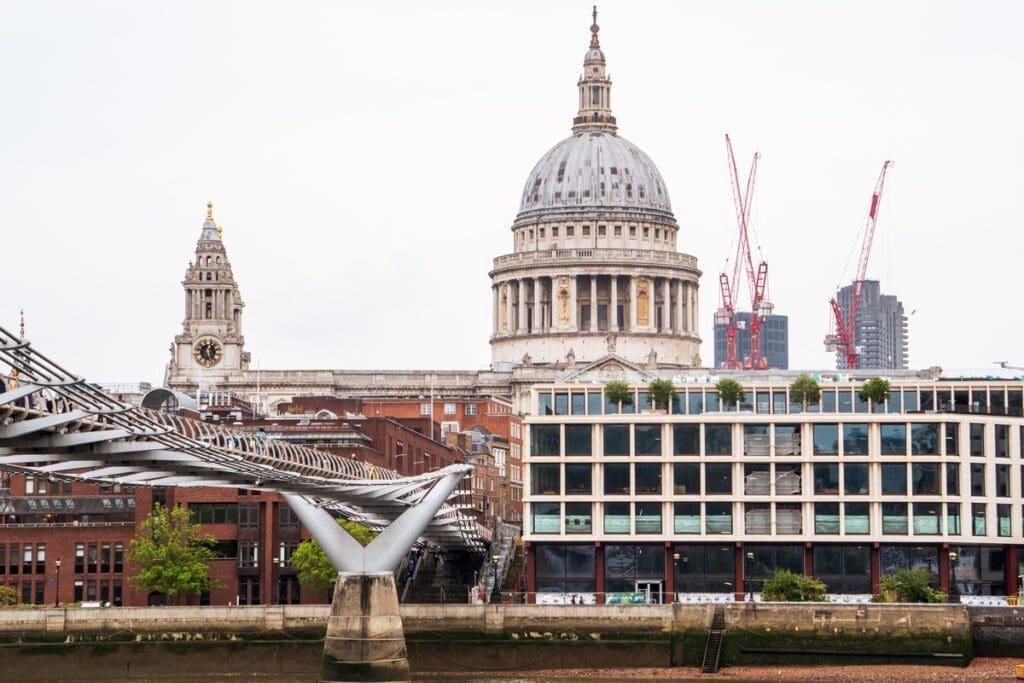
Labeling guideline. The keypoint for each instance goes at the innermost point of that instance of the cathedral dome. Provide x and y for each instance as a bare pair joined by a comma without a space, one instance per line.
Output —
595,169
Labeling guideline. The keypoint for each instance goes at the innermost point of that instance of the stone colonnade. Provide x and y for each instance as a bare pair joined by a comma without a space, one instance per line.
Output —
598,302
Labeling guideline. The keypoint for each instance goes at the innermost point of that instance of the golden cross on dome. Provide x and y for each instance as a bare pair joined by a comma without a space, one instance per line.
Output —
209,210
594,28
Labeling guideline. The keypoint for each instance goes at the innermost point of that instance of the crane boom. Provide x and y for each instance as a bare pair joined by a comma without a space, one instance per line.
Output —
844,337
743,262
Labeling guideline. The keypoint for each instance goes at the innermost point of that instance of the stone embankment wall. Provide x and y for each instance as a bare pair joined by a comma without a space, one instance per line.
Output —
288,640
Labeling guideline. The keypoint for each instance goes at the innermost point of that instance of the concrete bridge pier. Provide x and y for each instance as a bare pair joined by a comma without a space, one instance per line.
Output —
365,640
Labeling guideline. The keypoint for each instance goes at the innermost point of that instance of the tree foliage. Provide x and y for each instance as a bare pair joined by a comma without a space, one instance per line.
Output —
875,390
172,553
314,570
618,391
909,585
805,390
8,596
730,392
787,586
662,392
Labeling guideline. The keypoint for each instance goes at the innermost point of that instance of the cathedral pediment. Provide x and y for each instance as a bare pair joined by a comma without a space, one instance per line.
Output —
607,368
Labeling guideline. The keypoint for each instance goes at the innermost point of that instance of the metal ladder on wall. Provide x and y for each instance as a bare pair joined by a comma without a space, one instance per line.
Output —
713,645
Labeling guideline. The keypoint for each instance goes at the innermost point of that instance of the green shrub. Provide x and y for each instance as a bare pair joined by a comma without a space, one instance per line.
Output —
875,390
618,391
787,586
730,392
662,392
805,390
909,585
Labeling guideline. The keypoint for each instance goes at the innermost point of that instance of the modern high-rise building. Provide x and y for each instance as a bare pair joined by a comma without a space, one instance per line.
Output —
880,332
774,340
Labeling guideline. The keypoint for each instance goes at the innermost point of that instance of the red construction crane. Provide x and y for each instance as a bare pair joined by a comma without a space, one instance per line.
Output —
844,337
757,281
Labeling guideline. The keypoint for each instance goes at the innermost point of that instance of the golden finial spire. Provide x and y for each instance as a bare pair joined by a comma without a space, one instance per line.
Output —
22,327
594,28
209,210
220,232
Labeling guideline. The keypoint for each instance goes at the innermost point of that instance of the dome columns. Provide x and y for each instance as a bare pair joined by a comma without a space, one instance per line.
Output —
596,302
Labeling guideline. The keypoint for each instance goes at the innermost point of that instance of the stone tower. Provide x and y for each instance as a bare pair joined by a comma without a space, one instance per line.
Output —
595,271
210,347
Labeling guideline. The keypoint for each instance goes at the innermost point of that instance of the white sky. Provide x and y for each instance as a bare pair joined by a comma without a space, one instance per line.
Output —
366,161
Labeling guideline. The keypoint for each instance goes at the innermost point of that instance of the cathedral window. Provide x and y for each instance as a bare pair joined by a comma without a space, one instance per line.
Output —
647,232
657,234
209,276
531,234
586,231
632,231
554,232
601,230
569,231
618,231
540,231
209,259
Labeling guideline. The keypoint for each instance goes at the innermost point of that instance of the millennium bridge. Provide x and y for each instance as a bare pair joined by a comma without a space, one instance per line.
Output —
81,433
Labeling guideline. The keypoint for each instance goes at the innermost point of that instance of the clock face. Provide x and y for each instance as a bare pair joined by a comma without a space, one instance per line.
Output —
207,353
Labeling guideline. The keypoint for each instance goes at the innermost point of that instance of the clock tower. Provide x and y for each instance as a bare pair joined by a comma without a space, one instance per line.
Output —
210,349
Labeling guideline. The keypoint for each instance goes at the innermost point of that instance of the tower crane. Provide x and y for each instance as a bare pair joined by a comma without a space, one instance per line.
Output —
843,339
757,280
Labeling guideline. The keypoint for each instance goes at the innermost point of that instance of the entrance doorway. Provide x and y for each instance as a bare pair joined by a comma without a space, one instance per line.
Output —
651,590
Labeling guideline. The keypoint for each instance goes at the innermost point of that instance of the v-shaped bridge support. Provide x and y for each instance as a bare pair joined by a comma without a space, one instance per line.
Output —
365,640
385,551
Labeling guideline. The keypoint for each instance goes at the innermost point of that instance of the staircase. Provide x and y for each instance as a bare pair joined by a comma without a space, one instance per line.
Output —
442,579
713,646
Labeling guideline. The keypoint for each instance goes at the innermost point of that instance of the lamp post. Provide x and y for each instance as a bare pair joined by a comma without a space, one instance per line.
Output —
56,595
746,576
675,575
953,595
496,590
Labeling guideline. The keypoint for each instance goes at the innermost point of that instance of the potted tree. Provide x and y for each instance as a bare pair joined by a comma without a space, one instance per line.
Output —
875,390
618,392
730,393
805,390
662,392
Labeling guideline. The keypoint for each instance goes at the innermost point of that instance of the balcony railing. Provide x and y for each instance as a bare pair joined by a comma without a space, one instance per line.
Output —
552,256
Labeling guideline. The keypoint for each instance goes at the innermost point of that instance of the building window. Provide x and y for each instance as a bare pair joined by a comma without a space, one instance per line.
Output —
648,517
977,479
449,408
894,439
826,518
717,478
616,518
248,554
648,478
546,479
578,439
578,480
546,440
855,479
857,518
718,518
718,439
977,439
286,517
616,440
249,516
616,479
686,518
470,409
894,479
578,518
686,439
686,479
826,439
424,409
894,518
926,518
978,518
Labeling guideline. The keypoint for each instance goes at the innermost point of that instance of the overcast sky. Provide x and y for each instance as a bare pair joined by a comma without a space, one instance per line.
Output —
366,162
